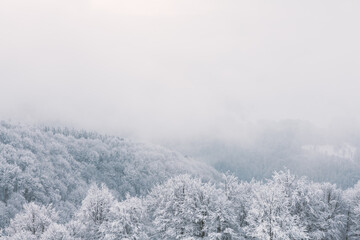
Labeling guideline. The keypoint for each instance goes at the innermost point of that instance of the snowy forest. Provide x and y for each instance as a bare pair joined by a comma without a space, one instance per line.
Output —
59,183
179,120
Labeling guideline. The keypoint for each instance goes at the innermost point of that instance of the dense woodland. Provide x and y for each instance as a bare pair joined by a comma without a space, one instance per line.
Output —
57,166
283,207
61,184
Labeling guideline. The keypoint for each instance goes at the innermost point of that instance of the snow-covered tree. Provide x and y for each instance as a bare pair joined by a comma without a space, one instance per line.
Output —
8,180
56,232
76,229
127,220
352,213
33,220
223,224
172,207
326,216
269,216
184,207
94,211
240,195
320,207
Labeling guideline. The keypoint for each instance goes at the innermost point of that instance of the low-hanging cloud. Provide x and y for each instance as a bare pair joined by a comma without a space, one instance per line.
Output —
173,69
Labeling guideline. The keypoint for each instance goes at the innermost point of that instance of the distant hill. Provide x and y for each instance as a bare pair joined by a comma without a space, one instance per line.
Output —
330,155
57,165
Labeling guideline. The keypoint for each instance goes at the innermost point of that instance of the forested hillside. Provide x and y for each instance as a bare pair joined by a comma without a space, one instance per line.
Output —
62,184
56,166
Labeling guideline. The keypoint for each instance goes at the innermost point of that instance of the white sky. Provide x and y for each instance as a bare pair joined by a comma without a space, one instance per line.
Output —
184,68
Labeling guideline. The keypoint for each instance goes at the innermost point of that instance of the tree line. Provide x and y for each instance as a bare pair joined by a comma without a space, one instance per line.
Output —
185,207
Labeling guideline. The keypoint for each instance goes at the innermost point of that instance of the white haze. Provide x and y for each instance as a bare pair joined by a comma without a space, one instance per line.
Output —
179,69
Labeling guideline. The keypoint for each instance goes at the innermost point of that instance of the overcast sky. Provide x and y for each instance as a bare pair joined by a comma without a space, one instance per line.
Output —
175,69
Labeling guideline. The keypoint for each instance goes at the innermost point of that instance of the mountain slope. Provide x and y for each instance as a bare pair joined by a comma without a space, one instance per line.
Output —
56,166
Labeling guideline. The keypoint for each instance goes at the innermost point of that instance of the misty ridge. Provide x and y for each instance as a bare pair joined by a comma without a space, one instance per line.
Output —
322,154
